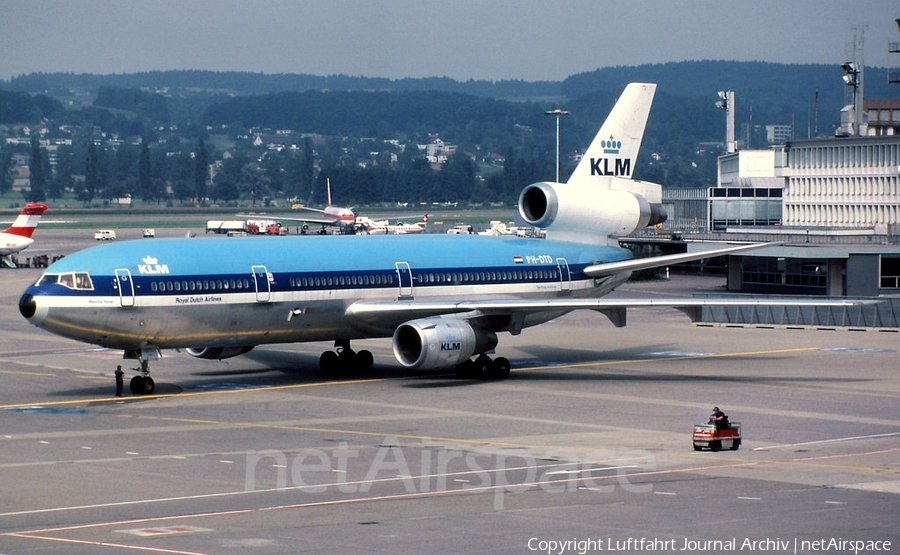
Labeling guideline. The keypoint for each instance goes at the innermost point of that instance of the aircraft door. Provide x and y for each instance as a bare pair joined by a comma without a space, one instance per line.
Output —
261,283
565,275
125,286
404,276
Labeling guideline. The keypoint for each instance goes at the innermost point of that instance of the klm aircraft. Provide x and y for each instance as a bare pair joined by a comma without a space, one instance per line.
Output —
442,299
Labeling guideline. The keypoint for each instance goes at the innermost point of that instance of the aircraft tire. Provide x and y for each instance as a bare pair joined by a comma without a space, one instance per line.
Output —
483,367
142,385
365,361
500,368
149,385
135,385
329,362
465,369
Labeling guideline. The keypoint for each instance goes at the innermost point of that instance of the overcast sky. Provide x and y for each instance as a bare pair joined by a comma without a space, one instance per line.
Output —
462,39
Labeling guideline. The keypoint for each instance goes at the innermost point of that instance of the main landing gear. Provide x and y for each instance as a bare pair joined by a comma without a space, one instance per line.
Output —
345,359
484,368
143,384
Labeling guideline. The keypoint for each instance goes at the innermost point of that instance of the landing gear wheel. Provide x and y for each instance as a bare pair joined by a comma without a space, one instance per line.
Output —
329,362
142,385
365,361
483,367
344,359
501,368
347,360
465,369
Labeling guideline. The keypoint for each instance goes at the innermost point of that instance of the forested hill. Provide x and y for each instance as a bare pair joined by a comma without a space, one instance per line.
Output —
776,93
243,83
691,78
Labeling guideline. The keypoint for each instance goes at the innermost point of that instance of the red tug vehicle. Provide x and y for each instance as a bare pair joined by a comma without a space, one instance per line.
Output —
716,433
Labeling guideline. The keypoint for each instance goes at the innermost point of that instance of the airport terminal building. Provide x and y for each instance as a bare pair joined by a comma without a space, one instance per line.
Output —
833,204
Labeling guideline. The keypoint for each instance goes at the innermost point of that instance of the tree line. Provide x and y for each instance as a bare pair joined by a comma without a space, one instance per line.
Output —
94,174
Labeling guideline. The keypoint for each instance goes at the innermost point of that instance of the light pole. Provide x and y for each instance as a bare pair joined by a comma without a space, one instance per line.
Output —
726,102
852,79
557,112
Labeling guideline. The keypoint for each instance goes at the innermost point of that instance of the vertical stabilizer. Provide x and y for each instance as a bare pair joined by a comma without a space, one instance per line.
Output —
27,219
614,150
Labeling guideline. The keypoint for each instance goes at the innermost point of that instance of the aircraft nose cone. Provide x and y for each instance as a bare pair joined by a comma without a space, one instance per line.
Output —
27,306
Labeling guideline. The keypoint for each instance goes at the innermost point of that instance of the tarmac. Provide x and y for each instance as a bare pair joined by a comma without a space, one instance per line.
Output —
585,448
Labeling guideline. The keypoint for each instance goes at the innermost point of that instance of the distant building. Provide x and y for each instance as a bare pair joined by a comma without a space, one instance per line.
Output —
843,182
883,116
779,134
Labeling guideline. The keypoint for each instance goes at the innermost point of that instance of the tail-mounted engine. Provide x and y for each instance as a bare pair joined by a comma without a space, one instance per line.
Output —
430,343
580,213
218,353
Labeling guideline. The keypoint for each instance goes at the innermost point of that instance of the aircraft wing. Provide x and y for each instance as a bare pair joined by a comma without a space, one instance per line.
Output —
609,268
380,313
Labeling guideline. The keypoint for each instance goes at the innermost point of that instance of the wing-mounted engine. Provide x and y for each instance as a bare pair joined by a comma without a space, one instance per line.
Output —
218,353
587,213
430,343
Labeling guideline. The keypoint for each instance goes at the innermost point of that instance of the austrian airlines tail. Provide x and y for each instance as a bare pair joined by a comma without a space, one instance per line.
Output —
27,220
18,236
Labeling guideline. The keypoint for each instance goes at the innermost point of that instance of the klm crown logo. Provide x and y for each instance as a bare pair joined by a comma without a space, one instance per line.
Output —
152,266
612,146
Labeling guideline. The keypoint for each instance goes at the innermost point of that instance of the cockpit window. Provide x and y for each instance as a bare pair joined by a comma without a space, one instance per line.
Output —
73,280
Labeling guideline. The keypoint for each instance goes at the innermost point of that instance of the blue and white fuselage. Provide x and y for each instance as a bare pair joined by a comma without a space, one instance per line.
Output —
247,291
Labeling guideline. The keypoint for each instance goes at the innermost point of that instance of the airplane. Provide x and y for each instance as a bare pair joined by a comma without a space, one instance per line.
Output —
342,218
18,236
369,226
441,299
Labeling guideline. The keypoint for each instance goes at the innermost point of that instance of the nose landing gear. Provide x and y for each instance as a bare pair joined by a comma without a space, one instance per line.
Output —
143,384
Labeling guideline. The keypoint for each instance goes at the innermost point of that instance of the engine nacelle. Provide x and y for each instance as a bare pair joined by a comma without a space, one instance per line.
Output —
430,343
218,353
577,212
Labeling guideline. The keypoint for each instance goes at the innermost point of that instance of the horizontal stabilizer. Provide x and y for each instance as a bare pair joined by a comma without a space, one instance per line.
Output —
609,268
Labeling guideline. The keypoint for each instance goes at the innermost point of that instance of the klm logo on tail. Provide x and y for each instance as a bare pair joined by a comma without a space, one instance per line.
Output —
614,167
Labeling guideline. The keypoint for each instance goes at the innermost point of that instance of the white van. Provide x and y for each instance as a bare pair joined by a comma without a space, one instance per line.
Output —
105,234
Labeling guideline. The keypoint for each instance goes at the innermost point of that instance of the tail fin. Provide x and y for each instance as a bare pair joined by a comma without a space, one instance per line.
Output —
601,201
615,148
27,219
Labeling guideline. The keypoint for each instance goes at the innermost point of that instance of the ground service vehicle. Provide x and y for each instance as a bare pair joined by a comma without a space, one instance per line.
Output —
707,436
105,235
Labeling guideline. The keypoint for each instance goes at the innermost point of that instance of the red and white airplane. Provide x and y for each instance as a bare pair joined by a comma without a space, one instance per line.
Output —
18,236
344,219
